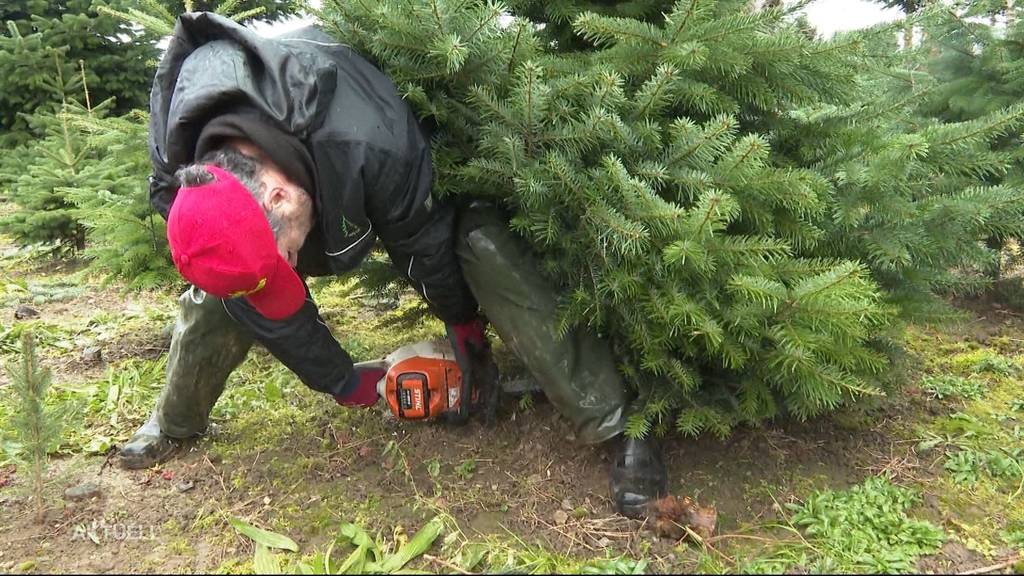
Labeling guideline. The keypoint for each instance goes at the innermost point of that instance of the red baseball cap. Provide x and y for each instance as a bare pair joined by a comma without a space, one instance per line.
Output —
221,241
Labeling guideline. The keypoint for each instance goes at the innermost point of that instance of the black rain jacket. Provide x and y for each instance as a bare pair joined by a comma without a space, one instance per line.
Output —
372,168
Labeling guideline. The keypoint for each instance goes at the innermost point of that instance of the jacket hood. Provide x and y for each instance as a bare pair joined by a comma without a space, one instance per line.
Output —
214,64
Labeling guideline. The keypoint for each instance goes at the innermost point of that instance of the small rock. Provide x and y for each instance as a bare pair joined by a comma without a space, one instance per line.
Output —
604,542
84,491
561,517
566,505
92,354
184,486
25,312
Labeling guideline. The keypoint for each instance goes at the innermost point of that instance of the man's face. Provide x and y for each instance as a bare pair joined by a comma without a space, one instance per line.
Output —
291,226
289,211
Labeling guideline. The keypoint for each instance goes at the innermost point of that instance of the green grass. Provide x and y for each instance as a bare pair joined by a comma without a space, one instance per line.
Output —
945,386
866,528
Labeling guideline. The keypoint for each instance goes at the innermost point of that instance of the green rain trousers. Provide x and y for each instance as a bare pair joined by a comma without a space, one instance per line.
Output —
577,372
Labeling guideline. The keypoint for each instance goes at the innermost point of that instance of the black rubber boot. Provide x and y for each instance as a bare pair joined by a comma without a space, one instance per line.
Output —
147,447
205,347
638,476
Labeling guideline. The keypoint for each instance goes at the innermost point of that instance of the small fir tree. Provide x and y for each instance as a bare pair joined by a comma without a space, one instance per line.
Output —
36,426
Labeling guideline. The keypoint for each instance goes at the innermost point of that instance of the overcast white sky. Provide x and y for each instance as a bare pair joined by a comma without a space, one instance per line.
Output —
828,16
831,16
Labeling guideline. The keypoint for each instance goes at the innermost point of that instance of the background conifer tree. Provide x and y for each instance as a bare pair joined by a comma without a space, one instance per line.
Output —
119,60
127,240
36,178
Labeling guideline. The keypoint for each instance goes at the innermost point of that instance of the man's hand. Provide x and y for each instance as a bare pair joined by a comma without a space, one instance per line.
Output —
365,395
473,353
469,338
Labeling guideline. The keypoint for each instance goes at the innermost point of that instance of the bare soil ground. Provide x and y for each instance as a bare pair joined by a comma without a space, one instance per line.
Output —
286,459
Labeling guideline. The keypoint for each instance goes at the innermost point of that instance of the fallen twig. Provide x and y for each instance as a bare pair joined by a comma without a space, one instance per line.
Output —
743,536
216,473
697,538
111,452
446,564
125,496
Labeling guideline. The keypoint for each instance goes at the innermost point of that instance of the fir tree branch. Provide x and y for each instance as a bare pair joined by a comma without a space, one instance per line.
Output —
686,19
745,23
515,48
494,14
437,17
715,201
1012,116
664,75
239,16
755,145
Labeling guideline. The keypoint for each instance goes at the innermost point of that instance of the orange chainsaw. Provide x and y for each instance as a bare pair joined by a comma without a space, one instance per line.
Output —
424,381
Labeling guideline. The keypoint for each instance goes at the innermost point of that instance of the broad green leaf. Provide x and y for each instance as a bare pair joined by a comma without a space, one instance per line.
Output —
264,561
356,562
471,555
355,534
416,546
265,537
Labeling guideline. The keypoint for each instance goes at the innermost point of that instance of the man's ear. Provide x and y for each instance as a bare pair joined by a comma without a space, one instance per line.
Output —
274,198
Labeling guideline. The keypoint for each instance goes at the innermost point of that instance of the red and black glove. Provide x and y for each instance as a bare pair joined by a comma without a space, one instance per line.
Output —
365,394
479,373
468,338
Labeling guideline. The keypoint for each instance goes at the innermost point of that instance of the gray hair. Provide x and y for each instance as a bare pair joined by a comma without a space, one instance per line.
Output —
247,169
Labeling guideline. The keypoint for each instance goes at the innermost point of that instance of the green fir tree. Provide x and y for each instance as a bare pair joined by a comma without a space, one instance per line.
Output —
973,52
119,60
628,166
36,426
158,16
127,240
37,176
744,209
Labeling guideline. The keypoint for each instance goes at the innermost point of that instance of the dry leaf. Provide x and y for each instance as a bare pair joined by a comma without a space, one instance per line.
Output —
670,516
